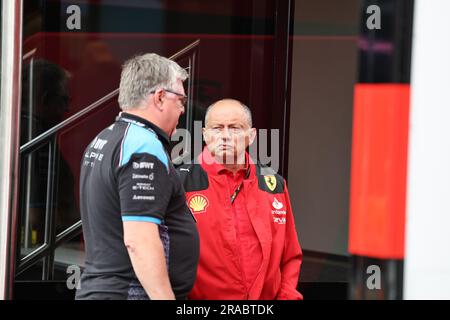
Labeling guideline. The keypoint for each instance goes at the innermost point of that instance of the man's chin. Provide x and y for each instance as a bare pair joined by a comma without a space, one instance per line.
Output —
225,157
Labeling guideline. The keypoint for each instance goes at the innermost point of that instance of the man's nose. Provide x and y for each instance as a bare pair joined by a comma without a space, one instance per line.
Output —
225,133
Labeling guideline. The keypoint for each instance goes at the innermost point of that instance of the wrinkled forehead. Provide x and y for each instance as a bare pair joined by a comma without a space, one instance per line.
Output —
226,114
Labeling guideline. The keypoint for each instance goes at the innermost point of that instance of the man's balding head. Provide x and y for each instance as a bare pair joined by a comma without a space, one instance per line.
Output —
227,103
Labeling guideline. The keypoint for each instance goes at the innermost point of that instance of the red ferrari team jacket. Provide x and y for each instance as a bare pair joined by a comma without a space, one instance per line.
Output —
220,274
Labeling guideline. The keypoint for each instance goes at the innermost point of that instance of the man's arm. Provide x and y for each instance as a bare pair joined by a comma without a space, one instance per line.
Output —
292,258
147,257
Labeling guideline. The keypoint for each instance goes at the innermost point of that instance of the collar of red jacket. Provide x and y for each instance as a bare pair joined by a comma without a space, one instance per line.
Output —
210,164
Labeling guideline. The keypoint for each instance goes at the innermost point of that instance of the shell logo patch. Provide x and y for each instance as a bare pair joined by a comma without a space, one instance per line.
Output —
198,203
271,182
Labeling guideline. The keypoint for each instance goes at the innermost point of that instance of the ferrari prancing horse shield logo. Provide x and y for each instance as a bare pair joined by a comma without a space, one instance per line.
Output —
271,182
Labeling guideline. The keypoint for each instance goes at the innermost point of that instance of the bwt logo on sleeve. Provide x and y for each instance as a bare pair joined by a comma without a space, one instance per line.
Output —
143,165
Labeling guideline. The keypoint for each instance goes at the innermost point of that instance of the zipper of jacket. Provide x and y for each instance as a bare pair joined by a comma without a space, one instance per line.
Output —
239,249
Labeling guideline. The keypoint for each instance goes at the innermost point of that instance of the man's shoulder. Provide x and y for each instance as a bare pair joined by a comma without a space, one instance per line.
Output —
269,180
193,176
105,142
138,140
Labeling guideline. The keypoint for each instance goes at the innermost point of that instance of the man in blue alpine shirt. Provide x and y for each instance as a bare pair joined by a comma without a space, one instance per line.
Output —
141,239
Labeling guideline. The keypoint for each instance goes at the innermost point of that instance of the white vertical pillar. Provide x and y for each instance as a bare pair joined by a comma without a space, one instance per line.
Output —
427,260
11,43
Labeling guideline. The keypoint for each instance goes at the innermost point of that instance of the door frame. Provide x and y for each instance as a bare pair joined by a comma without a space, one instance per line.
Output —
11,47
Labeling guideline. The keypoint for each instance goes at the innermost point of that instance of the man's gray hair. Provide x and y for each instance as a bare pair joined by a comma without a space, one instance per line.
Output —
246,109
145,73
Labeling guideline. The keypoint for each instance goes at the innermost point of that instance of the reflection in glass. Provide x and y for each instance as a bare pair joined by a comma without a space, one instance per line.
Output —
34,272
33,199
70,253
45,97
65,72
66,210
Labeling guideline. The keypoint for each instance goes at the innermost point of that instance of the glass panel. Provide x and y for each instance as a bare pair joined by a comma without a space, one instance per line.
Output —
33,205
71,60
45,97
236,46
324,69
66,197
34,272
70,253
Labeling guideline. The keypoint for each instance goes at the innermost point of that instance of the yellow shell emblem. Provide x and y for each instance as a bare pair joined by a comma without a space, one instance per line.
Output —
271,182
198,203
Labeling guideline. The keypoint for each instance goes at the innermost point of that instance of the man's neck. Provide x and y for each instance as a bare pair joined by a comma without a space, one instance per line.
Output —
142,114
234,167
145,115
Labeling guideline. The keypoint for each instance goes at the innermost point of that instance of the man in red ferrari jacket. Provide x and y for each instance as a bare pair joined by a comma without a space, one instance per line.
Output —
248,241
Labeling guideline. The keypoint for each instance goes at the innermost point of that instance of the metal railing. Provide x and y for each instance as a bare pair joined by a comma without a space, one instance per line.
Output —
51,239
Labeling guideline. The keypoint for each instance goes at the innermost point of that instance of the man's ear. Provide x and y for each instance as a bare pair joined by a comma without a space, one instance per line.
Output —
252,136
157,99
205,135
